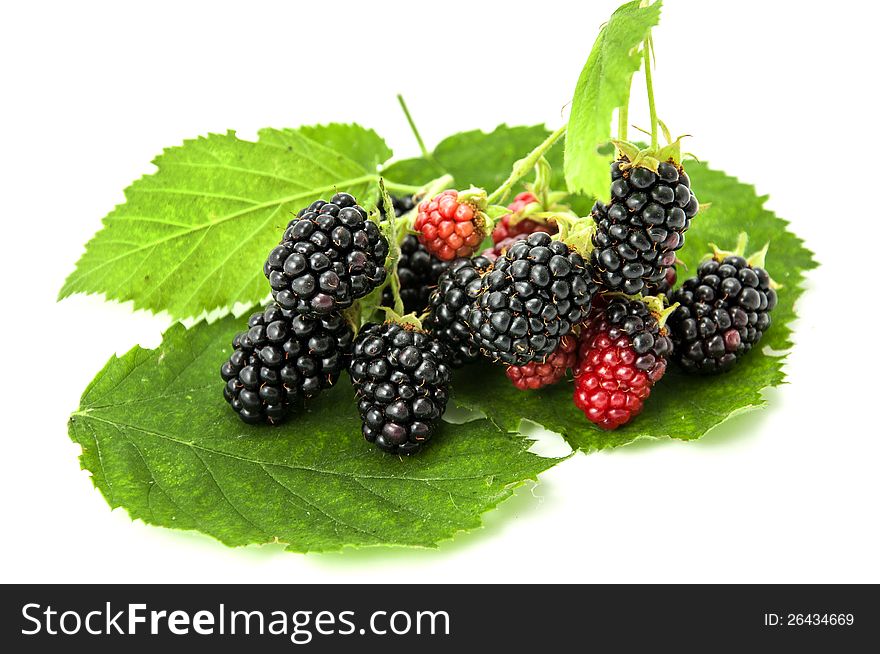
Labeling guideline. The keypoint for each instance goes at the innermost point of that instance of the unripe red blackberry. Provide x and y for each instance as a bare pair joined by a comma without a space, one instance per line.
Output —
508,227
450,226
330,255
538,375
622,354
450,304
401,380
532,297
723,312
638,233
282,358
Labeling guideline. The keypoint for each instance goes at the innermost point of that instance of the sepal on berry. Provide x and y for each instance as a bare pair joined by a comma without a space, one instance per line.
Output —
756,260
650,157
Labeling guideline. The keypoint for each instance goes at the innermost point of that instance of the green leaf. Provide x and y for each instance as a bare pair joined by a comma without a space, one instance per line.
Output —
602,87
477,158
161,442
361,145
681,406
192,236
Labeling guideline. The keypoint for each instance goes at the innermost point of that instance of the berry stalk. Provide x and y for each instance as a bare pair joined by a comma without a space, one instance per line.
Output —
649,82
393,247
412,126
524,166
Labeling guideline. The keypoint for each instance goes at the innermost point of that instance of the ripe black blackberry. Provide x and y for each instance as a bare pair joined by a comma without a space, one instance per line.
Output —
665,285
639,232
532,297
282,358
401,379
418,272
330,255
450,304
723,312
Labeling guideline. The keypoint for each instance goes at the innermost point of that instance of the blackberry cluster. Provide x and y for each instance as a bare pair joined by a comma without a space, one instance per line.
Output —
450,304
622,354
330,255
638,234
533,296
401,380
724,311
283,358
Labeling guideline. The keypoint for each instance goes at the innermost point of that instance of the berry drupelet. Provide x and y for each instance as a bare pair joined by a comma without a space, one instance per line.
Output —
283,358
622,354
638,233
665,285
330,255
538,375
450,226
532,297
401,380
723,312
450,304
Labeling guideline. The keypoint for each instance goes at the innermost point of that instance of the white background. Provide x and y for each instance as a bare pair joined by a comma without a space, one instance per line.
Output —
774,92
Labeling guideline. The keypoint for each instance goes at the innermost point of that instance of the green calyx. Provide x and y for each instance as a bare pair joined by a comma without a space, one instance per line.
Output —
757,259
655,303
650,157
476,197
408,320
549,202
658,308
485,214
575,231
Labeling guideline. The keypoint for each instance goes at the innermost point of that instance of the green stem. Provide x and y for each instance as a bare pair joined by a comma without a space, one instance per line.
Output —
412,126
393,247
524,166
622,120
649,81
409,189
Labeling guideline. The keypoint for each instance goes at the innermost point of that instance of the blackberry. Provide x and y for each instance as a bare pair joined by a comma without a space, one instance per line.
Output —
622,354
639,232
330,255
401,380
533,296
723,312
450,304
283,358
418,272
451,225
665,285
502,246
